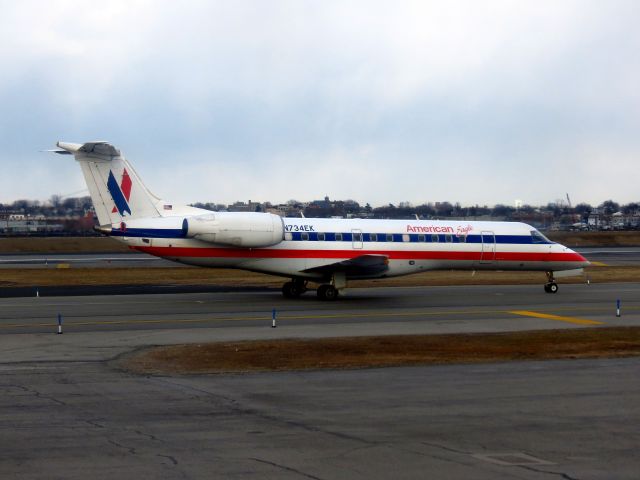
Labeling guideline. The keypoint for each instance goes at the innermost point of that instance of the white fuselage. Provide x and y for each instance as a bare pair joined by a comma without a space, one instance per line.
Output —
410,246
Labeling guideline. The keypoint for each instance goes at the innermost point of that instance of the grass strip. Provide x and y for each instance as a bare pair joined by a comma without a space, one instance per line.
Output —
386,351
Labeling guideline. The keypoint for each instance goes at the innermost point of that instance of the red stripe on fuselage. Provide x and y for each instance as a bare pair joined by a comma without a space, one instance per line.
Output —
189,252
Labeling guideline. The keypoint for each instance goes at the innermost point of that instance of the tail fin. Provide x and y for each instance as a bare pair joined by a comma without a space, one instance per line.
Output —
116,189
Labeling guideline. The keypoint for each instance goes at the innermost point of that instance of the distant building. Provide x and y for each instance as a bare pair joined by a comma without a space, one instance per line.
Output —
618,221
27,226
245,207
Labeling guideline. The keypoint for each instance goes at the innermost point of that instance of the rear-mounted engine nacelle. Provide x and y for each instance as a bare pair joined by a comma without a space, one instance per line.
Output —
236,229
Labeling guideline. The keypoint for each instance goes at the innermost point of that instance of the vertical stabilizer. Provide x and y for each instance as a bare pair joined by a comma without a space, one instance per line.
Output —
116,189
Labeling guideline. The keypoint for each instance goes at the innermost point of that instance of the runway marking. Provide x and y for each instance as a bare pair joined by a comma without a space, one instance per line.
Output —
599,264
547,316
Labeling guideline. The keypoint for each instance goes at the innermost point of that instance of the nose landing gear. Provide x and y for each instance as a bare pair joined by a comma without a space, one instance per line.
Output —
551,286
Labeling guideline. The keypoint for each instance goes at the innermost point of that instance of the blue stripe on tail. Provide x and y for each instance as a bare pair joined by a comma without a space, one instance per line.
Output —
117,195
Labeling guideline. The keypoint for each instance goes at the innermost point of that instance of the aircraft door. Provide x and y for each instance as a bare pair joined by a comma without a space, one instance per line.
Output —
488,254
356,239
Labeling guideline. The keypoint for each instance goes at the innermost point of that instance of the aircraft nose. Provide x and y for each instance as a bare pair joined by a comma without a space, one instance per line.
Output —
579,259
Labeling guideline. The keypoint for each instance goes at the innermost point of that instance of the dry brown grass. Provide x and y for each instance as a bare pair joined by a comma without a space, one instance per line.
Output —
61,245
16,277
23,277
360,352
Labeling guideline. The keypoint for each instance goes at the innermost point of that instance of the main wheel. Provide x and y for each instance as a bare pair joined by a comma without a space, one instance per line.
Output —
301,285
291,290
327,292
553,287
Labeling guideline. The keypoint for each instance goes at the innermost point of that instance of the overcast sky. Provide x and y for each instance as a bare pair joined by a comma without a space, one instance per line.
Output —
471,101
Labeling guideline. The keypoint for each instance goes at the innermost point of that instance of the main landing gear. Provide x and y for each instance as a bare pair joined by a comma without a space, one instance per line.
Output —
328,291
551,286
294,288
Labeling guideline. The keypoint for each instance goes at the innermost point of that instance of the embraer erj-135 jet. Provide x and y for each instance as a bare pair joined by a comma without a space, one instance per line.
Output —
329,252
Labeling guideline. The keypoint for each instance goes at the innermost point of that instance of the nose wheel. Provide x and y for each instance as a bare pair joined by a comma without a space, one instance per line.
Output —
551,286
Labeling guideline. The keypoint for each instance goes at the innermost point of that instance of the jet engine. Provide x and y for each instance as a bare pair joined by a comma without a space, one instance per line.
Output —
236,229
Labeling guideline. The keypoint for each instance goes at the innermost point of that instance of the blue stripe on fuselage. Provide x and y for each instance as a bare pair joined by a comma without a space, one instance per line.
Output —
149,232
346,236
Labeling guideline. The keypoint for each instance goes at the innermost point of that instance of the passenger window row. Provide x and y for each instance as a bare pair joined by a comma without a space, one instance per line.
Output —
373,237
533,237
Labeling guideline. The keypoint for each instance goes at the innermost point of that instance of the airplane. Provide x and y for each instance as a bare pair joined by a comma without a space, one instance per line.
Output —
329,252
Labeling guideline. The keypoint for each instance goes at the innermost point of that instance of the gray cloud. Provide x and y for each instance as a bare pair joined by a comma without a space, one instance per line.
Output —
477,102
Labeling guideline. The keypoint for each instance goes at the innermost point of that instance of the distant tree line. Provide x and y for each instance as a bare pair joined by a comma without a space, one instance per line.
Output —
76,213
56,206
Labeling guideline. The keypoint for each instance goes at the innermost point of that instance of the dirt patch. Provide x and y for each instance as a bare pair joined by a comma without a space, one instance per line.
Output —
386,351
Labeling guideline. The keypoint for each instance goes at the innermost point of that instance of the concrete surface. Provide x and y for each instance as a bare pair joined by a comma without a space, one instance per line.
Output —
79,420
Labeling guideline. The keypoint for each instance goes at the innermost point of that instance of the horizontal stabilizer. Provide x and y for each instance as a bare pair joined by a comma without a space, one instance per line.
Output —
94,149
58,150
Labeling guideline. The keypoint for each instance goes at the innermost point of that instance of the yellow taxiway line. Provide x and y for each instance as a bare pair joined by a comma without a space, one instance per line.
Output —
547,316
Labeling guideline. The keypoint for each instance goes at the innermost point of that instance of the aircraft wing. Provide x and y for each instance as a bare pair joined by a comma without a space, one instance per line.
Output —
363,265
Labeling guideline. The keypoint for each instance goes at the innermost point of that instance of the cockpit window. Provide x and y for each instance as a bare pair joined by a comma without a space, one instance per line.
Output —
537,237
